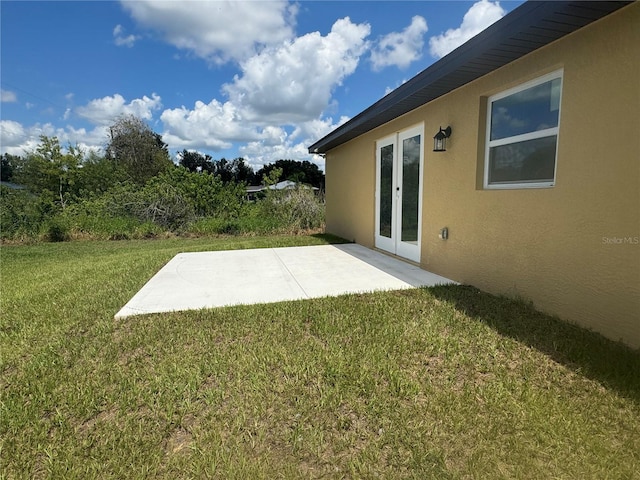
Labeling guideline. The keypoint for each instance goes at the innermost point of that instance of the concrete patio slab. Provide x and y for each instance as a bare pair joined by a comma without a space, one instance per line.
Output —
233,277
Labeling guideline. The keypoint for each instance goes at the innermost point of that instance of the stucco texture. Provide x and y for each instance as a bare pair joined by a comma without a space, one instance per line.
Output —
573,249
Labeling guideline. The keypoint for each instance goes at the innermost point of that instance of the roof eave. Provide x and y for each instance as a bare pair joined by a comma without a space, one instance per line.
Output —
500,44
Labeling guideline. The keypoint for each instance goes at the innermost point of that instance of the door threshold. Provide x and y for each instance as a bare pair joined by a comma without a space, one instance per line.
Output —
397,257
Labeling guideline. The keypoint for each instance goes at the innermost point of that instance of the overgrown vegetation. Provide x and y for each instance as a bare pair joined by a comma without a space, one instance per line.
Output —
135,191
440,383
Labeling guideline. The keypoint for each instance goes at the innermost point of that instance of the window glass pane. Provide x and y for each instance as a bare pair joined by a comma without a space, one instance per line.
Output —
523,162
410,188
529,110
386,190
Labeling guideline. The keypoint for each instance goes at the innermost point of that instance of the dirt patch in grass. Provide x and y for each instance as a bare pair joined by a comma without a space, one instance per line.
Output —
178,443
106,416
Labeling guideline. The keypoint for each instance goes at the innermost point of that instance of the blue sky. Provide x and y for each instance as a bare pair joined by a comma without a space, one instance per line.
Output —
262,80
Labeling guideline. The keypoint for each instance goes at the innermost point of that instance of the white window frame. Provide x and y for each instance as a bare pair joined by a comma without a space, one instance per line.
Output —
549,132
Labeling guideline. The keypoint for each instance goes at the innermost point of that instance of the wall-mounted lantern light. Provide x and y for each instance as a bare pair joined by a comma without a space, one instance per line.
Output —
440,140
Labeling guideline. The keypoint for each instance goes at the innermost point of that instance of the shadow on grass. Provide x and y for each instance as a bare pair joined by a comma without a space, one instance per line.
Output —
330,238
613,364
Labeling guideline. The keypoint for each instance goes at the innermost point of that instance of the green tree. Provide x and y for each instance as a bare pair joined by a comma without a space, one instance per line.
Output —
97,175
242,171
205,192
195,161
47,171
235,171
7,165
222,169
271,177
137,149
301,172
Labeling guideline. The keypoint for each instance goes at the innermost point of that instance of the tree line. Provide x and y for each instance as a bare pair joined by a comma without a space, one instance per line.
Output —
136,153
135,189
237,170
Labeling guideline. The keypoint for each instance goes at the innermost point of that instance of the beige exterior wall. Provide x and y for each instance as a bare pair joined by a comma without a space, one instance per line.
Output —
572,249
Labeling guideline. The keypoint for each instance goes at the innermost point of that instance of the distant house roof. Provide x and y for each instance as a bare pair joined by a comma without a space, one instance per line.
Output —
532,25
285,184
255,188
13,186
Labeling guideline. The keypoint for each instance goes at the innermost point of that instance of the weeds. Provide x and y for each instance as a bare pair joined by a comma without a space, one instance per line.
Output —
175,202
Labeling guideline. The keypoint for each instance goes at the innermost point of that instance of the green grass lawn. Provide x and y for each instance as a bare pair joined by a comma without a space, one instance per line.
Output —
439,383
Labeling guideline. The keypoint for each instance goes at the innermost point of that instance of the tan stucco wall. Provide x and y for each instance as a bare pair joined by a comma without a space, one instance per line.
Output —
349,187
572,249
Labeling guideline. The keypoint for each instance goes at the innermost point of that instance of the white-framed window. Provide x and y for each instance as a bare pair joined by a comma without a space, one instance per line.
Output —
522,134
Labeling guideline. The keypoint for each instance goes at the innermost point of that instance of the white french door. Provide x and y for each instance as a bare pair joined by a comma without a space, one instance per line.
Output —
399,162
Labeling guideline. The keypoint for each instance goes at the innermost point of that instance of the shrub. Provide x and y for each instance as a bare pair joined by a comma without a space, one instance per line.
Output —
165,206
306,209
125,207
217,226
206,193
174,201
295,209
22,214
147,230
57,229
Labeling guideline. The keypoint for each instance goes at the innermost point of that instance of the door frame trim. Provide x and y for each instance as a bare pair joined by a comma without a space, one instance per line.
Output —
385,243
394,245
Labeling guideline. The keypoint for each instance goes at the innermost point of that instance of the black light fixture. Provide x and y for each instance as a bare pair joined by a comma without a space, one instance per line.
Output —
440,140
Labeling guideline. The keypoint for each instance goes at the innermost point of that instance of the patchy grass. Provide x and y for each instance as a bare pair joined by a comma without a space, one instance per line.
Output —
428,383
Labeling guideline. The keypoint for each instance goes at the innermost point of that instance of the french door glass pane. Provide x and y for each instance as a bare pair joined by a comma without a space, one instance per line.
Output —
410,188
386,190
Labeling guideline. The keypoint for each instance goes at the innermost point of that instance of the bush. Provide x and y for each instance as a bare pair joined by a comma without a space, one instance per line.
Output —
125,207
57,229
295,209
23,214
217,226
306,209
176,201
164,205
147,230
206,193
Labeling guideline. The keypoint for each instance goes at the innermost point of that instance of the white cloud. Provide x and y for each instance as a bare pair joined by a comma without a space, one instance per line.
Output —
315,129
213,126
294,81
217,31
7,96
293,146
388,90
273,108
207,127
257,155
480,16
400,49
104,111
218,126
121,40
12,135
17,139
